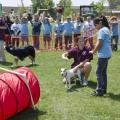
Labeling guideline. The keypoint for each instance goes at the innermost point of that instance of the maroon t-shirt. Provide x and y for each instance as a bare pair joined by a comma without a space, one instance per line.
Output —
79,55
2,31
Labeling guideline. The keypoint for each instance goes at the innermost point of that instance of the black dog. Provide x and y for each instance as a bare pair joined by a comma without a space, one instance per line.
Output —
21,53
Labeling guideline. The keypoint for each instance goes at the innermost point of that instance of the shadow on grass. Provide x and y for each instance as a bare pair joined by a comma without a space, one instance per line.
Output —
114,96
29,66
29,114
6,63
34,65
75,88
92,84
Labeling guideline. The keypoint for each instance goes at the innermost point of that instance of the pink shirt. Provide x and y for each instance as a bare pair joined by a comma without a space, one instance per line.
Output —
88,29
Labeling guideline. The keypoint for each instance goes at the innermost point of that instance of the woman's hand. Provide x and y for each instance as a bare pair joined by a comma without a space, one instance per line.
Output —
64,56
91,52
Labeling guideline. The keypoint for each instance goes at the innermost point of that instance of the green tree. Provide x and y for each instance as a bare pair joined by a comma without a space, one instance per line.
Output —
118,7
43,4
98,6
110,2
67,7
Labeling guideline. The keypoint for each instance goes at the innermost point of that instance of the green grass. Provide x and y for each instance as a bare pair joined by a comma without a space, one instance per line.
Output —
56,103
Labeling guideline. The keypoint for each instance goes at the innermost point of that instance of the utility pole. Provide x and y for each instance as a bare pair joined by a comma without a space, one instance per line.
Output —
22,3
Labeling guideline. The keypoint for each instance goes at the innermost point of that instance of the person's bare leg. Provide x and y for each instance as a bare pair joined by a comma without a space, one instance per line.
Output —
87,69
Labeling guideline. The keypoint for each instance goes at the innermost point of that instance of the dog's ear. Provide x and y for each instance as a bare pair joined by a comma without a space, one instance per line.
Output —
63,69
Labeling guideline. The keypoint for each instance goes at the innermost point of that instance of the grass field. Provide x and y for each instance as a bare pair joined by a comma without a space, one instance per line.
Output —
56,103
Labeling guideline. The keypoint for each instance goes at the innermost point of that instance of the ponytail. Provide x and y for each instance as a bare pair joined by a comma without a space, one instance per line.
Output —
102,19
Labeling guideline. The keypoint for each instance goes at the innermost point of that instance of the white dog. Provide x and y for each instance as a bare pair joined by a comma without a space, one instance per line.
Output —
68,74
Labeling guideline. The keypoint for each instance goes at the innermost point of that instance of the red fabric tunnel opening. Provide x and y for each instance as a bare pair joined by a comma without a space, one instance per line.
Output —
14,93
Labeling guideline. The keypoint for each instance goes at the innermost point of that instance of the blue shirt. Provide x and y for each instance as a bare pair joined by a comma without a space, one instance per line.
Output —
77,27
115,29
68,29
47,29
36,27
24,29
104,35
58,29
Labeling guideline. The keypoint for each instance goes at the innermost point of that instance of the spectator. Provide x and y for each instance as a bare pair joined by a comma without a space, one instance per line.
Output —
24,30
115,33
77,29
88,29
47,32
15,28
8,31
68,30
2,33
36,28
58,34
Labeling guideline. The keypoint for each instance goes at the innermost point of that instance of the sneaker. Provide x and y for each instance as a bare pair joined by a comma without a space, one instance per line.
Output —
96,94
85,83
104,92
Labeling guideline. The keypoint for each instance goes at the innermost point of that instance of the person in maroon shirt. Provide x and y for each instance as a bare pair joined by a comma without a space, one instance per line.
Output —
82,57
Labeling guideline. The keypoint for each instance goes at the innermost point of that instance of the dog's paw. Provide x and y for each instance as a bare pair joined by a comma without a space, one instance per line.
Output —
67,87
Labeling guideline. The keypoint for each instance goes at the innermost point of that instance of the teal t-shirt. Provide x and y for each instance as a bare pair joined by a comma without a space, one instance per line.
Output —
104,35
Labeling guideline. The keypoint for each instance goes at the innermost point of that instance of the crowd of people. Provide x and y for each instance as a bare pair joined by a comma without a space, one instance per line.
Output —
66,33
17,29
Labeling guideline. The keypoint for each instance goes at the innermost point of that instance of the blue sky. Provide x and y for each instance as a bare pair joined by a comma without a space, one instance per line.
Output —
28,2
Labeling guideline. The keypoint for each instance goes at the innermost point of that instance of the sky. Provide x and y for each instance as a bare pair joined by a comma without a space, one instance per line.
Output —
28,2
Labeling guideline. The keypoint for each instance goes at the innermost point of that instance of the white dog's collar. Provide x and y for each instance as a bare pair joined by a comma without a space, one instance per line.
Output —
66,74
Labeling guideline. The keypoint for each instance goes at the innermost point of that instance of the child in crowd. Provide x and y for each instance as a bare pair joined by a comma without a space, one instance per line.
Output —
24,30
88,29
2,33
8,31
115,32
15,28
58,34
68,30
77,29
47,32
36,28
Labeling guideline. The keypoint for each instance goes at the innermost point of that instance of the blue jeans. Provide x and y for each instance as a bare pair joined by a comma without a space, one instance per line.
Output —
115,38
102,75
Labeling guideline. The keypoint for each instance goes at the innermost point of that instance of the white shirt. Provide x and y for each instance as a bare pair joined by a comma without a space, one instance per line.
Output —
16,28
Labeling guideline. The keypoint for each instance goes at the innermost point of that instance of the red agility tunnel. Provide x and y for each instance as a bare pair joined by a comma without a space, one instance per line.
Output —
14,93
